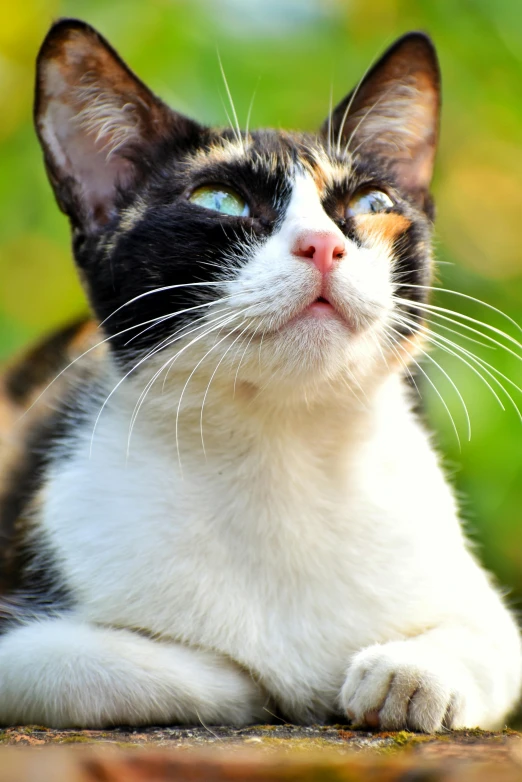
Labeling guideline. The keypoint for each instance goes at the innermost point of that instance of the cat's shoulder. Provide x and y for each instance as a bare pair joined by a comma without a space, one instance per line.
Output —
35,390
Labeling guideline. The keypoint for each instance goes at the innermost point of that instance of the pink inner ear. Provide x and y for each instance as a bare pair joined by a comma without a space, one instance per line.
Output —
393,113
85,131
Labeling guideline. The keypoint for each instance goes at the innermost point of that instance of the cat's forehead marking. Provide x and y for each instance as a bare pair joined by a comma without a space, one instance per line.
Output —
325,170
279,153
222,150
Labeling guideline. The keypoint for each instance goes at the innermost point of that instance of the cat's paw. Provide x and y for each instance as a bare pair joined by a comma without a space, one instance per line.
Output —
392,687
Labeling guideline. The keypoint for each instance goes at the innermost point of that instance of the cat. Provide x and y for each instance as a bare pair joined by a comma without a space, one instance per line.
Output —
221,506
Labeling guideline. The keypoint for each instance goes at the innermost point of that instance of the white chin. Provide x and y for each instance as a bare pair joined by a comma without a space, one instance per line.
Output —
301,354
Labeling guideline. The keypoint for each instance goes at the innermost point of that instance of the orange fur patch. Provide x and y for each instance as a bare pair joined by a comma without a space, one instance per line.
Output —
382,227
407,349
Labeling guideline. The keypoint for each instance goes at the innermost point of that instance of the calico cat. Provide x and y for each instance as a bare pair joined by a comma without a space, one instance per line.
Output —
223,506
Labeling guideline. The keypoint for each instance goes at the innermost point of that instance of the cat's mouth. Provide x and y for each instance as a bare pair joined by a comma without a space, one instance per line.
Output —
322,307
321,304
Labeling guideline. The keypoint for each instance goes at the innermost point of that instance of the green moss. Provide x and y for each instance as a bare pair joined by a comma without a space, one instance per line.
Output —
403,739
76,739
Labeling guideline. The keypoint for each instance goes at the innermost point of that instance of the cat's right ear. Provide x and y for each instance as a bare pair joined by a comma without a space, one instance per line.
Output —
393,114
98,124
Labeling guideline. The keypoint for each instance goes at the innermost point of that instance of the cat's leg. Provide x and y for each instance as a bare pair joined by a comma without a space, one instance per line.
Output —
62,672
449,677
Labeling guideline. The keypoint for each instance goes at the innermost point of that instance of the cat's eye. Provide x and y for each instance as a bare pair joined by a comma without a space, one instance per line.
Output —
367,202
222,199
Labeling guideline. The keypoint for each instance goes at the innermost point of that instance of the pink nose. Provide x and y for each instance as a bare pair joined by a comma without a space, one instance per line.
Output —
322,249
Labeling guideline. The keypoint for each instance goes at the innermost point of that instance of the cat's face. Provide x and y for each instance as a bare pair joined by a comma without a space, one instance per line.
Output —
277,254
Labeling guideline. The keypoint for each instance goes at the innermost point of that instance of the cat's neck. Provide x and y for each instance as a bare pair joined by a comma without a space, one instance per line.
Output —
231,418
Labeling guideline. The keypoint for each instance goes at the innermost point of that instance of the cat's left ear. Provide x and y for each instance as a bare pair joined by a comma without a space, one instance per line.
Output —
393,114
98,124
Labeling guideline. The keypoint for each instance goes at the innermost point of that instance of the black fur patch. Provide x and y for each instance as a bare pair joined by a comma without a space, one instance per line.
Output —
30,579
174,242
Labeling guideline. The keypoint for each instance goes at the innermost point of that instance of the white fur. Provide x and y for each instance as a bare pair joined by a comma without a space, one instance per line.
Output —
311,555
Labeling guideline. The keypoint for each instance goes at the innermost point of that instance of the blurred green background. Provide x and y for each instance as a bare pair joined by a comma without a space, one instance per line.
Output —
291,53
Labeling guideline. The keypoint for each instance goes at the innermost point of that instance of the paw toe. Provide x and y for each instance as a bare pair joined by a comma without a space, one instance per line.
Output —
383,692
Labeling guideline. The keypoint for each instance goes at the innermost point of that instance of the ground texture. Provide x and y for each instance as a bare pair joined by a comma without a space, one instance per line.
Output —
260,753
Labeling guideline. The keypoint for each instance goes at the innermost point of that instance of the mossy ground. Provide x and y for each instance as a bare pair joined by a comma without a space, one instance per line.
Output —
267,738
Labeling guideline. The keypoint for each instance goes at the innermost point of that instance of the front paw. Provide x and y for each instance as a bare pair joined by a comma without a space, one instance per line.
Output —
393,687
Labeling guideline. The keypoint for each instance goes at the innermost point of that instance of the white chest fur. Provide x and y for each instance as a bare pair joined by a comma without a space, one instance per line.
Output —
288,547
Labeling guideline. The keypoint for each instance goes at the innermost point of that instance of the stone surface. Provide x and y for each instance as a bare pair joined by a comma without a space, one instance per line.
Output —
260,753
284,738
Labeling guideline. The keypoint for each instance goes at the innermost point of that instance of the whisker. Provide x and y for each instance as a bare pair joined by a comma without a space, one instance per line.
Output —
442,343
439,313
458,333
363,118
183,312
329,129
250,107
186,385
237,128
243,356
221,321
399,344
136,366
350,102
435,340
162,289
78,358
212,378
464,296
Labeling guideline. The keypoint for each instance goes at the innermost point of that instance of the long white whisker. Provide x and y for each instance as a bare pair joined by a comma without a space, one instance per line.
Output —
329,128
82,355
436,288
250,107
237,128
212,378
458,333
363,118
486,367
350,102
243,356
188,381
442,343
221,321
439,312
136,366
183,312
434,386
161,290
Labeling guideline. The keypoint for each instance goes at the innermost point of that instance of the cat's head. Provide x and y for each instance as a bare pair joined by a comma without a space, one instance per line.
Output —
279,254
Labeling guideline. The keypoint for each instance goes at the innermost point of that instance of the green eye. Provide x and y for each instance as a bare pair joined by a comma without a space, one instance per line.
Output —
368,202
220,199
